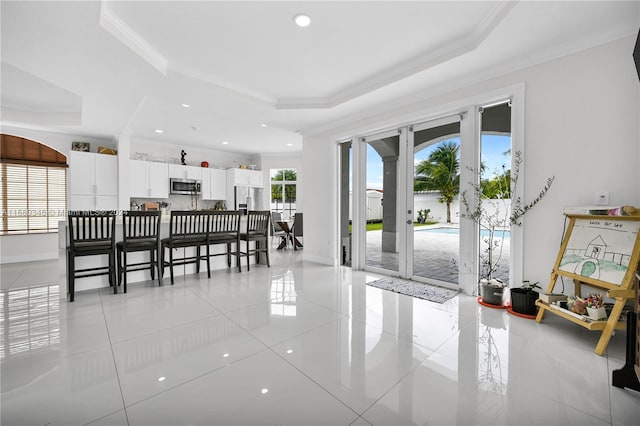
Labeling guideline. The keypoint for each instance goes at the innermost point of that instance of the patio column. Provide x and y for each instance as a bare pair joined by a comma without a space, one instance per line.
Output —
389,189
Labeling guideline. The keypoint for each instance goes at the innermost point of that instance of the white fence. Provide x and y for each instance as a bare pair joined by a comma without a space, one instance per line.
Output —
438,211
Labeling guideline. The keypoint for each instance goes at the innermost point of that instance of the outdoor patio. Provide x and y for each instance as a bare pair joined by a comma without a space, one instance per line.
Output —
435,254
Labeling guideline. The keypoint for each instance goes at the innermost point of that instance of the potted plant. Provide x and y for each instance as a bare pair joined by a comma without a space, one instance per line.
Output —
523,299
489,210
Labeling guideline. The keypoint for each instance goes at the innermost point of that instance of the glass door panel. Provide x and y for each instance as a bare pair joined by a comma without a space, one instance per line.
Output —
436,206
382,245
495,182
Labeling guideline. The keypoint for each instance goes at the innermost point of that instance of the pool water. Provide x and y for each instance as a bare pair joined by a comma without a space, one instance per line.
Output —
456,231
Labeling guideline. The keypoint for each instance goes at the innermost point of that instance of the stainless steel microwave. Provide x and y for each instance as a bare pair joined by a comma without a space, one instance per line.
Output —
184,186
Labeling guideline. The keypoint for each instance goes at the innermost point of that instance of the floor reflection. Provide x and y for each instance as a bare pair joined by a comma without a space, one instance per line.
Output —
29,319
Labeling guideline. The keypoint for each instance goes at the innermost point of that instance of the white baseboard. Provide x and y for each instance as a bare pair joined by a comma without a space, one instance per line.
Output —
323,260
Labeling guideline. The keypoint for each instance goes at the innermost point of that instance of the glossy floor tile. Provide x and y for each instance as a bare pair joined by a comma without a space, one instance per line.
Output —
298,343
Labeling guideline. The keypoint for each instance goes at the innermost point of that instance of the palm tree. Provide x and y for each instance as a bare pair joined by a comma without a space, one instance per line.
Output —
440,172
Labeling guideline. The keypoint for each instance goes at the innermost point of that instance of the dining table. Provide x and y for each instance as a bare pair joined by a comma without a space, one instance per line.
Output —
288,227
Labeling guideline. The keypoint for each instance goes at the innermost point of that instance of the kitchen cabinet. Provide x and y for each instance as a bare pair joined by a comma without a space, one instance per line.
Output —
255,178
214,184
93,181
244,177
185,172
148,179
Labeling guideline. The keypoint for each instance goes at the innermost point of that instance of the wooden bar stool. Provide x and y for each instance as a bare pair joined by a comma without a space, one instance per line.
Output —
91,233
186,229
140,232
224,228
258,224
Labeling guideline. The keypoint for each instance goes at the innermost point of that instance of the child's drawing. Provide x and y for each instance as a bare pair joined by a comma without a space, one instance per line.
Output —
600,249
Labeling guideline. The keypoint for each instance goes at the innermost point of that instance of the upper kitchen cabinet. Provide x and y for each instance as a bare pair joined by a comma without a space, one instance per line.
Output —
93,181
214,184
178,171
244,177
148,179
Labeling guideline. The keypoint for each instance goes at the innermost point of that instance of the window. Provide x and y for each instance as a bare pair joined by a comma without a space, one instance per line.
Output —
33,198
33,183
283,192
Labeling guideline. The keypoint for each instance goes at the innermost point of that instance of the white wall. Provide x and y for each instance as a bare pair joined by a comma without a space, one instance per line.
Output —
581,125
19,248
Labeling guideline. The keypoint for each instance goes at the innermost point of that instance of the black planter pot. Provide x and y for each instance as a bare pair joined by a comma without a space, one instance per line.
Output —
523,301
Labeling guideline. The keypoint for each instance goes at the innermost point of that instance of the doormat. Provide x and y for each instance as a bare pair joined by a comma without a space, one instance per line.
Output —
429,292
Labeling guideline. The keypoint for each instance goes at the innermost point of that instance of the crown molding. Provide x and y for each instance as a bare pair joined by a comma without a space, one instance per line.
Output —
127,36
419,63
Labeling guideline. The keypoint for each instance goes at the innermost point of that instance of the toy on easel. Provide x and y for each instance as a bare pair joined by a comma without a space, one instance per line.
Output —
182,155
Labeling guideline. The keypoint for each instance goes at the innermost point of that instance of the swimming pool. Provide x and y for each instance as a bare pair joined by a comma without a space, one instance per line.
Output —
456,231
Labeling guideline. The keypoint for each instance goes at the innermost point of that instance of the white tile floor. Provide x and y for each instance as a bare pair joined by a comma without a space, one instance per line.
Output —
298,344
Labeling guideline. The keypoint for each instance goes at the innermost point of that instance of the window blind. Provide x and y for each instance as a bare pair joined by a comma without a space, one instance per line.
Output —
33,198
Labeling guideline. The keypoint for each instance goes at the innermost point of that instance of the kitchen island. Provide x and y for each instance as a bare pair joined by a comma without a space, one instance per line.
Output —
102,281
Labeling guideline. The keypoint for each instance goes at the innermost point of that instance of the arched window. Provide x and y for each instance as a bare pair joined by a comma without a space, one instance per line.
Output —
33,183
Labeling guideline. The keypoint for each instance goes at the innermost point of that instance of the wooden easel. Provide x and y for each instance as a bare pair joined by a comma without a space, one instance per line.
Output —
595,241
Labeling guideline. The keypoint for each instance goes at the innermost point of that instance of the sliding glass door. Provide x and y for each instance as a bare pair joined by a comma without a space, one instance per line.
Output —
433,191
381,224
406,210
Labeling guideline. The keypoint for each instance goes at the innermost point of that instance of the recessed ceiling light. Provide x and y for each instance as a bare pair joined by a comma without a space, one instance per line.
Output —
289,144
186,105
302,20
263,125
162,379
225,142
264,390
159,131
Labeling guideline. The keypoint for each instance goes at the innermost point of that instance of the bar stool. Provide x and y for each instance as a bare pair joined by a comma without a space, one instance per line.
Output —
258,223
186,229
140,232
91,233
224,228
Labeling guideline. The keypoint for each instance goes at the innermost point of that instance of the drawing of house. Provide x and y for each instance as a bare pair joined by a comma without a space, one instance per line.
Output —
596,248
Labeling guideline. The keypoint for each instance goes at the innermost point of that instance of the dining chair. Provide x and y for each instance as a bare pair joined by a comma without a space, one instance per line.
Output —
187,229
297,231
91,233
140,233
258,224
276,229
224,228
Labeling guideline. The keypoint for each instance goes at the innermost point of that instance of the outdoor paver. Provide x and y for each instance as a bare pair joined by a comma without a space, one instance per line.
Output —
435,255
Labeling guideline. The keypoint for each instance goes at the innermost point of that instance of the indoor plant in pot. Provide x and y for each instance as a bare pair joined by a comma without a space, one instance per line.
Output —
523,299
495,206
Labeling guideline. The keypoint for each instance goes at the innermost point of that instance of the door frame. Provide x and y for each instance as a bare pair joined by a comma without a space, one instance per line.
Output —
469,152
409,194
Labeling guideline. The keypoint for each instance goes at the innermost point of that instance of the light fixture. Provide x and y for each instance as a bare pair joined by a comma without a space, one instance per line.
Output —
289,144
161,379
159,131
289,351
264,390
225,356
225,142
263,125
186,105
302,20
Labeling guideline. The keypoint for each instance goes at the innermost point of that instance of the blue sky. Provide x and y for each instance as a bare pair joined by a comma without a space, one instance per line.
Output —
493,147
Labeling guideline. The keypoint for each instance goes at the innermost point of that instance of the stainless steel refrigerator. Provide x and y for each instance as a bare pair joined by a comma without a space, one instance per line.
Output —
246,198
